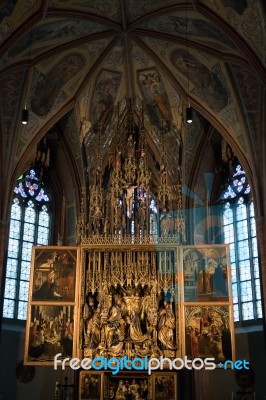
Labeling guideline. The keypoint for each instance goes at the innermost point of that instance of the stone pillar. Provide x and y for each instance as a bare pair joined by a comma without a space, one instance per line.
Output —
261,229
3,251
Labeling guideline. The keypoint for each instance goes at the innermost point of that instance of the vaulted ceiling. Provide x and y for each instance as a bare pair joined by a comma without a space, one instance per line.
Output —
73,61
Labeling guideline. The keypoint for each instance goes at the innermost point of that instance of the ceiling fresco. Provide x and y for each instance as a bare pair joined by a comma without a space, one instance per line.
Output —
88,56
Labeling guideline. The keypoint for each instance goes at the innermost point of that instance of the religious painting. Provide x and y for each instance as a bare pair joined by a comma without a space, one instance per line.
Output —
128,386
104,96
236,5
90,385
208,83
164,386
7,7
206,273
48,87
155,95
208,332
49,331
53,274
130,302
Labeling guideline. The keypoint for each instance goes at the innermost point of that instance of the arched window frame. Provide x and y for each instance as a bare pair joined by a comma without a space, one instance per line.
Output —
31,200
239,229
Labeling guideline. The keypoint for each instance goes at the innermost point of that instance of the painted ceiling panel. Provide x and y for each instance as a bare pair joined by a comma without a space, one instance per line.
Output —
138,8
92,54
245,17
53,32
104,8
193,27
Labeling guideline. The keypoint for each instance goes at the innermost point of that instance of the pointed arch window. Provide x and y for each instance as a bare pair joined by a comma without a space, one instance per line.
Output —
30,225
239,230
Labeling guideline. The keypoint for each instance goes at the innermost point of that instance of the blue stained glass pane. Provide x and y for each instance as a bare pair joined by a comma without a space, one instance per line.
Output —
11,268
246,291
16,210
251,209
241,212
247,311
229,234
234,293
29,230
10,288
14,230
232,253
259,309
22,310
43,234
253,227
243,250
233,273
22,250
242,230
244,270
25,270
236,312
30,214
23,290
254,247
256,268
8,309
26,251
13,247
228,216
257,286
42,196
44,219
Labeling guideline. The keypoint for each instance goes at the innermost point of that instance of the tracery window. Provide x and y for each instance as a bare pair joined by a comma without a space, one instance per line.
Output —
239,229
29,225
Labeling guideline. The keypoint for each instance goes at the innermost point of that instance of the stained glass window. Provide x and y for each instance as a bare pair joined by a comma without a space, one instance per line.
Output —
239,229
29,225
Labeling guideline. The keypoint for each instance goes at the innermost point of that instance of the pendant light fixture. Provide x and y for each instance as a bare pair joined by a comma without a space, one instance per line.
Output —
25,116
25,111
189,111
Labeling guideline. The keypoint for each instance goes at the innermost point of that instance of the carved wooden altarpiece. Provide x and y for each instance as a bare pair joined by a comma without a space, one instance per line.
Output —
130,301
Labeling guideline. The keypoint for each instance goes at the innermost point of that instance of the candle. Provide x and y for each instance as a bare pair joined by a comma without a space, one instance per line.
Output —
254,396
232,396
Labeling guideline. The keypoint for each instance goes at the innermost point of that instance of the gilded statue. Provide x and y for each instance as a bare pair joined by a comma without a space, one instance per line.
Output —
135,333
127,321
166,326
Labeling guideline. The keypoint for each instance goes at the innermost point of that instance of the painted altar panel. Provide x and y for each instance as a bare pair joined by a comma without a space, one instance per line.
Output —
54,295
50,330
208,332
206,274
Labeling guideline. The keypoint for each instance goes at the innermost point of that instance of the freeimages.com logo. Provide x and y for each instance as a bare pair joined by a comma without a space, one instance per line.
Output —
146,364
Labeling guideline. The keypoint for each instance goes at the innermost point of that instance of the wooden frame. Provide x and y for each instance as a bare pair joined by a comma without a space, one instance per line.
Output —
95,286
205,273
50,330
135,385
208,332
53,274
53,304
164,386
90,385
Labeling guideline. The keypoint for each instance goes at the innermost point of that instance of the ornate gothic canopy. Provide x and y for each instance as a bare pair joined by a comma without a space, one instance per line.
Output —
74,63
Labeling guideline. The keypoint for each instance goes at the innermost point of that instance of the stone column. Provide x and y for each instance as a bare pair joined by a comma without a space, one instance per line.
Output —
3,250
261,229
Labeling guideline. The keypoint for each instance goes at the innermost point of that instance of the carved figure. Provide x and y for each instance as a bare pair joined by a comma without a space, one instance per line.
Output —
135,333
96,217
129,199
166,326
